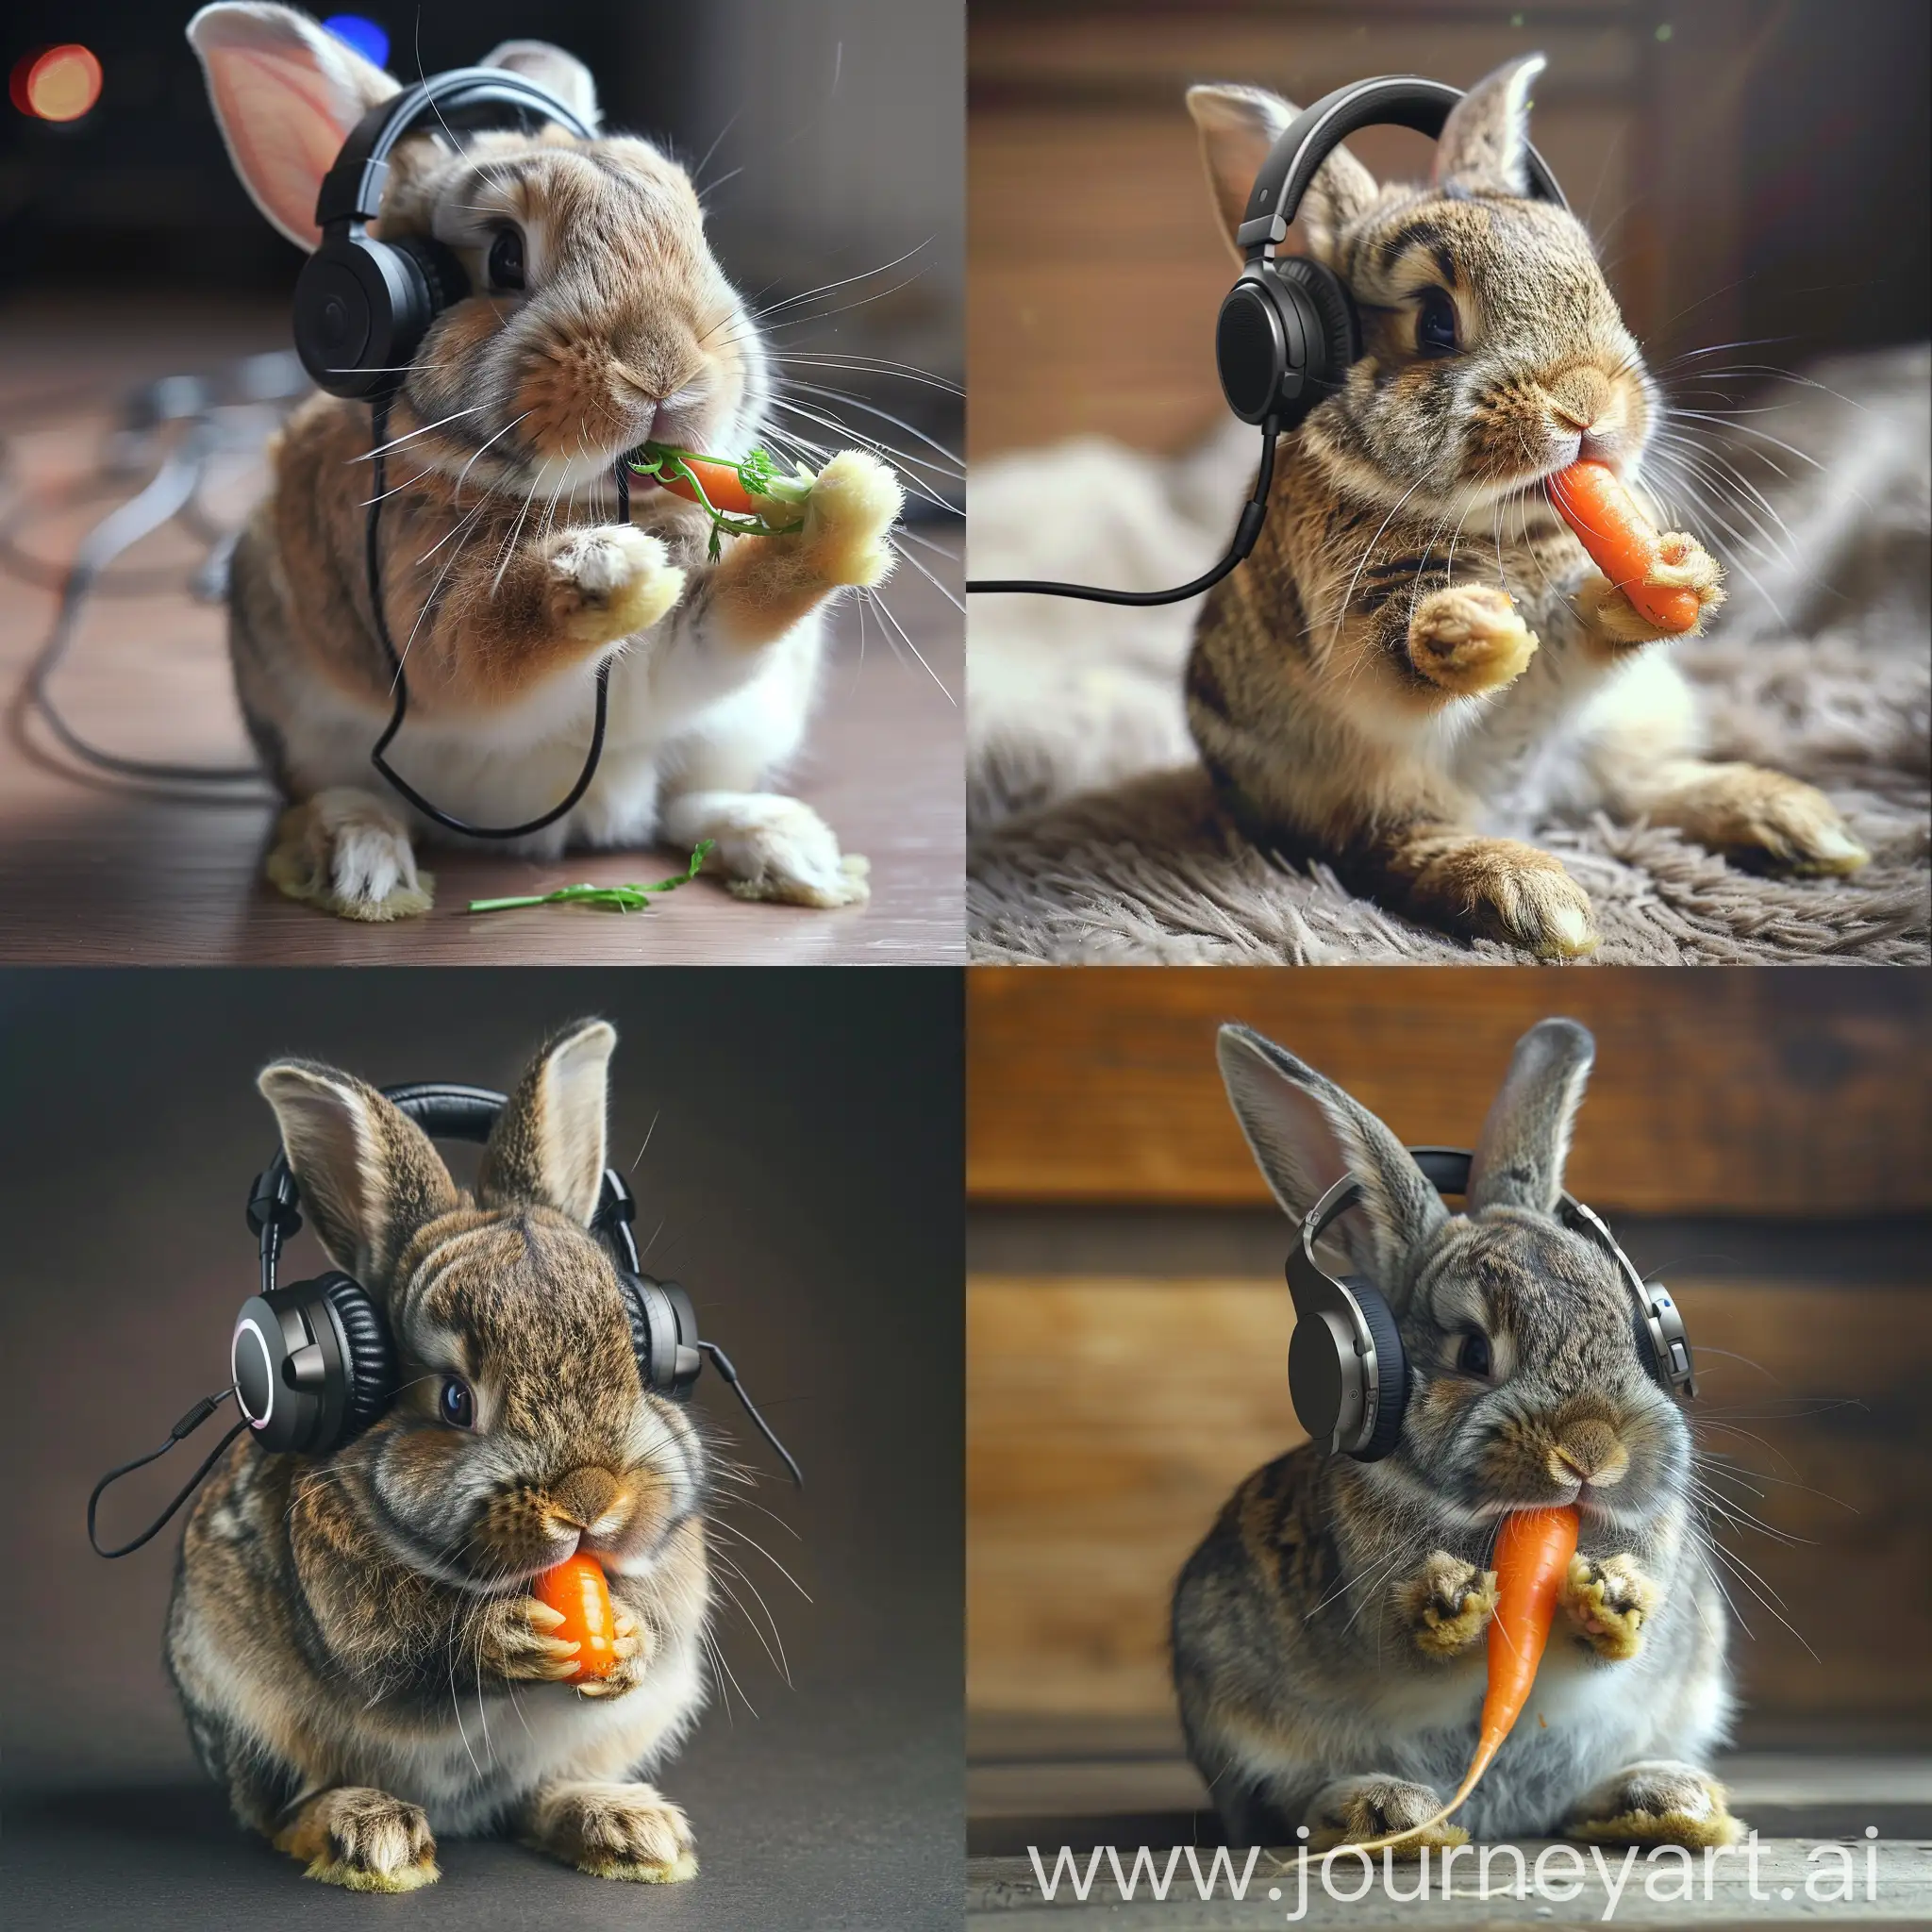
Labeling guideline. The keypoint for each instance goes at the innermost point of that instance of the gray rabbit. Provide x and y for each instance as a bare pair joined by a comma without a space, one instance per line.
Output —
1328,1649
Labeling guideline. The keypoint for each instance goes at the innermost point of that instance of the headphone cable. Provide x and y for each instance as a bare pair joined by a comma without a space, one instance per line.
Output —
1254,514
764,1428
185,1427
378,422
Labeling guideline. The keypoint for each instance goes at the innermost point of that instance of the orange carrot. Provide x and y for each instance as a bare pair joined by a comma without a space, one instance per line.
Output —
722,485
576,1590
1591,499
1533,1551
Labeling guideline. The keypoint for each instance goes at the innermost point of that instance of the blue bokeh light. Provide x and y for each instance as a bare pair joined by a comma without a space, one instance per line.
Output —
363,35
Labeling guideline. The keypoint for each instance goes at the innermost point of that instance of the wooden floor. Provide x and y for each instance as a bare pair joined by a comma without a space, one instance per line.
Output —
91,873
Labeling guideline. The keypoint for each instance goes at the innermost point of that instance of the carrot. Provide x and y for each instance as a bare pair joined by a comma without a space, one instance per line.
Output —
576,1590
1591,499
1533,1551
746,498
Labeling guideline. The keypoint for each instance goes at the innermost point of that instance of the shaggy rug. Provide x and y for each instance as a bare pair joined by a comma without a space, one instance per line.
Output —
1095,834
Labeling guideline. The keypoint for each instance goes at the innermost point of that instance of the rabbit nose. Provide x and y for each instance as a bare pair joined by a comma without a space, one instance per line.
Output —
1579,396
590,1499
1591,1452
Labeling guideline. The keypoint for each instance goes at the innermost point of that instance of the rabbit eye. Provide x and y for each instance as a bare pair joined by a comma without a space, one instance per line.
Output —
506,264
457,1406
1472,1357
1435,323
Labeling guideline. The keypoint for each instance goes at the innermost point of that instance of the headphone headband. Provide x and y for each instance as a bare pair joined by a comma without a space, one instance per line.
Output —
351,189
1389,100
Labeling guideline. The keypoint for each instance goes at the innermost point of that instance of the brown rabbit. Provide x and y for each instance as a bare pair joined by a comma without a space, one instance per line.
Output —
1419,663
599,319
353,1638
1328,1631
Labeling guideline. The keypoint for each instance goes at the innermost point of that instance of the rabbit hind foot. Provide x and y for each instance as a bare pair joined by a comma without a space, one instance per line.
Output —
362,1839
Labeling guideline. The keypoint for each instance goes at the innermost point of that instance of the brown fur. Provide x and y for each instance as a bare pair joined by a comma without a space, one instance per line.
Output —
1418,648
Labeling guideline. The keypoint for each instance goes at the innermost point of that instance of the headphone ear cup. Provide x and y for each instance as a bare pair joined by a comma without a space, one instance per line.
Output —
363,307
1392,1373
1333,329
369,1358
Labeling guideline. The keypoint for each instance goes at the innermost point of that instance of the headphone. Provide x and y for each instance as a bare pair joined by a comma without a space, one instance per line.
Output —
362,308
1287,329
1347,1374
313,1364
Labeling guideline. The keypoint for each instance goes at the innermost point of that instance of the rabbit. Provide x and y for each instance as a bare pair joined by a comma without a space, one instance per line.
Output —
599,319
1329,1632
1419,663
352,1636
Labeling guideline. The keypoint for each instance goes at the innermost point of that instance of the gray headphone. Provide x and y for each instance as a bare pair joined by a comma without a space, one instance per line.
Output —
1347,1374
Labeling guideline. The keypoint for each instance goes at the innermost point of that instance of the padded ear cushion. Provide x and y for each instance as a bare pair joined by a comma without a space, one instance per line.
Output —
372,1361
632,1290
1341,336
1392,1373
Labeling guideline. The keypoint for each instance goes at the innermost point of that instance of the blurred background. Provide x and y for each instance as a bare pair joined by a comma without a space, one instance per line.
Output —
827,140
1750,168
1757,1139
793,1142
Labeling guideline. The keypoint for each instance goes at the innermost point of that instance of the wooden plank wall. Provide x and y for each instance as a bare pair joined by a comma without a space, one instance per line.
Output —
1108,1417
1096,269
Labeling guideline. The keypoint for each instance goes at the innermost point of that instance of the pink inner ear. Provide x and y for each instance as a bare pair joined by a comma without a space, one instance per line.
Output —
283,132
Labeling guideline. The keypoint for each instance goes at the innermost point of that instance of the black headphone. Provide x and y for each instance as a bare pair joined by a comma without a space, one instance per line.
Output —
1287,329
362,308
313,1364
1347,1374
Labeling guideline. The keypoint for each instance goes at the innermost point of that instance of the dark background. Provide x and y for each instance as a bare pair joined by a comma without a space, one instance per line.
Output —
804,1163
1752,170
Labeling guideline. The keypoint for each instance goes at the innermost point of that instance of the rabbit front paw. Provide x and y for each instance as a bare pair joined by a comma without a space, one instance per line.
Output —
362,1839
1352,1810
770,847
633,1659
611,583
344,851
1609,1599
614,1831
852,508
515,1643
1448,1605
1682,563
1468,637
1656,1803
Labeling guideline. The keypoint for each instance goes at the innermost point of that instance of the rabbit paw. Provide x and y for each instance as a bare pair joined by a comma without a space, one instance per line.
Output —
772,847
363,1839
1764,819
852,507
344,851
514,1643
614,1831
633,1659
607,583
1467,637
1682,564
1448,1606
1354,1809
1656,1803
1609,1599
1505,890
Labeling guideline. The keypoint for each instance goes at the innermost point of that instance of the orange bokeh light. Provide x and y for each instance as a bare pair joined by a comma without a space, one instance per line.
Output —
61,84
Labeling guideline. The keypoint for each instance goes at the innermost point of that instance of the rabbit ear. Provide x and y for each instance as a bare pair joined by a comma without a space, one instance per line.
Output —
1519,1160
548,1144
286,93
564,74
370,1177
1305,1134
1238,126
1485,142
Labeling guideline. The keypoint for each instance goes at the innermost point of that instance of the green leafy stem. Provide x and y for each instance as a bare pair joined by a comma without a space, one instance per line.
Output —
665,462
611,898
